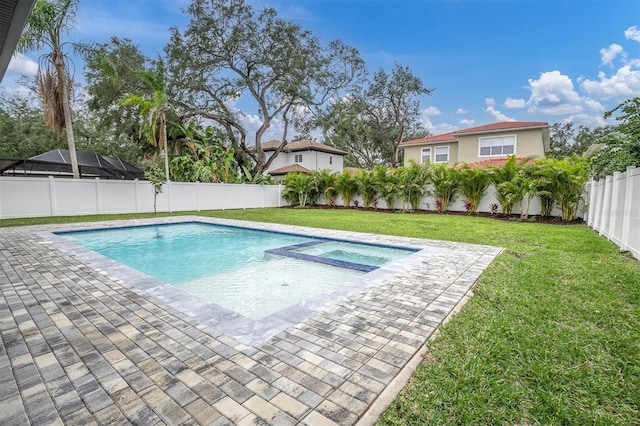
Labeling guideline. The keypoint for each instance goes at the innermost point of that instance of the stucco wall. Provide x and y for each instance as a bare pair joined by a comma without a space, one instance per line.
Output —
415,152
528,143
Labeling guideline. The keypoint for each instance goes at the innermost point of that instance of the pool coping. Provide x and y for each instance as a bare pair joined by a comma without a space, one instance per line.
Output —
341,364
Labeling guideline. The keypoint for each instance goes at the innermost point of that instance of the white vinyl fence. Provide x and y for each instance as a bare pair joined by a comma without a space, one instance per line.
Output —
33,197
614,209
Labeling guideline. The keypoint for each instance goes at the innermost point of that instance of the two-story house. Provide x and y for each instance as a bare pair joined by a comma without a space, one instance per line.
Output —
303,156
477,144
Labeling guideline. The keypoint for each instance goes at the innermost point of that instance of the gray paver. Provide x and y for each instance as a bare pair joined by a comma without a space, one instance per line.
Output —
86,340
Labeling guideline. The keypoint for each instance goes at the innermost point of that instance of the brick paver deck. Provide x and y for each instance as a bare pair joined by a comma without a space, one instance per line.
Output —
86,344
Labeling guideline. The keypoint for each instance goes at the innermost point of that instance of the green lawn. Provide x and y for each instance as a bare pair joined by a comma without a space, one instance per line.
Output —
552,335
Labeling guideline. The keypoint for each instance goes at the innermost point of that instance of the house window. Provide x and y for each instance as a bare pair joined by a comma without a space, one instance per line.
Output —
442,154
298,158
497,146
330,160
426,155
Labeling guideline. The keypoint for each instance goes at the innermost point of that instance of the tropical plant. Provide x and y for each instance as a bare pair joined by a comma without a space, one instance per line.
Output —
154,109
301,189
545,185
347,187
156,177
412,181
445,185
387,184
327,186
48,20
569,177
473,185
366,181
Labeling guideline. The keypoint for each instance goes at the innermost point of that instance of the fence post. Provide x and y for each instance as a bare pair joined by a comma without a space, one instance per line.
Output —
630,189
615,211
592,203
52,195
606,207
98,201
599,188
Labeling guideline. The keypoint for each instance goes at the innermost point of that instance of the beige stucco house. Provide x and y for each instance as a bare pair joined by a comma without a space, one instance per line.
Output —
481,143
303,156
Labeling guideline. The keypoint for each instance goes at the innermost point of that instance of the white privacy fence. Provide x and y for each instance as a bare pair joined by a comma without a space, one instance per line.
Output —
614,209
33,197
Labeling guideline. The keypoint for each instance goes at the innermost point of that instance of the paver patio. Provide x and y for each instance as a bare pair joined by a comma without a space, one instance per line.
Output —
87,341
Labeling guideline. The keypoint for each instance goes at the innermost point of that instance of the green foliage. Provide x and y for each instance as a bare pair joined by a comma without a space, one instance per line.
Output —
301,189
445,185
568,177
473,185
367,187
621,147
411,182
279,69
386,181
104,92
22,131
347,187
565,142
327,185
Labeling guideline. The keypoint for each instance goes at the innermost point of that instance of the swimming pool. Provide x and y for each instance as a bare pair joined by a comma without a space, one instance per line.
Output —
252,272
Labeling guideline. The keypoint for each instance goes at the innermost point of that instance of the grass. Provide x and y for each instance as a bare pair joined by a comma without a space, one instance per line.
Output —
552,335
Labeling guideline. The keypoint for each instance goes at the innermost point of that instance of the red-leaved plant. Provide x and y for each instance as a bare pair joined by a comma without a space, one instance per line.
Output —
468,205
494,208
439,205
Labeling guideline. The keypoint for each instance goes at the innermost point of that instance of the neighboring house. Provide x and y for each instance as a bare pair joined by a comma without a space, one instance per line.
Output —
303,156
488,142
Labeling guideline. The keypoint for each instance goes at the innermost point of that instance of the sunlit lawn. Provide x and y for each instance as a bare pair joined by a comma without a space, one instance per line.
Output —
552,335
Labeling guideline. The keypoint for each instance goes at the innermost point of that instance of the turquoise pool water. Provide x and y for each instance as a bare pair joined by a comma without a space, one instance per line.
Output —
252,272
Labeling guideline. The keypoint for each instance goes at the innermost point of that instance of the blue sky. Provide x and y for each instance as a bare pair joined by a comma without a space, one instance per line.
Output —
488,60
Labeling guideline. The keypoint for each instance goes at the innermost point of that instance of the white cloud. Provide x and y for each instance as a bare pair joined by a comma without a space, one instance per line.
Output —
461,111
497,115
431,111
632,33
608,55
22,65
466,122
514,103
553,93
625,83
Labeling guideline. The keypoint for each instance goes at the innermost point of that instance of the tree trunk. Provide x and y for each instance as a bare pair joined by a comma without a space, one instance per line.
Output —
66,108
163,124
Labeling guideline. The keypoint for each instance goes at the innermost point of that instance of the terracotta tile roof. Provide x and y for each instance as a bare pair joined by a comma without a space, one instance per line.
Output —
503,125
304,145
493,162
486,128
288,169
445,137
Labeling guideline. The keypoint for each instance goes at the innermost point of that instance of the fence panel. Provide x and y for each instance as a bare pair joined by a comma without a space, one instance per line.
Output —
37,197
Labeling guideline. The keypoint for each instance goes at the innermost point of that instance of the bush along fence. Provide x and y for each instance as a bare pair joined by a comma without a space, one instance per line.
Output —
614,208
545,187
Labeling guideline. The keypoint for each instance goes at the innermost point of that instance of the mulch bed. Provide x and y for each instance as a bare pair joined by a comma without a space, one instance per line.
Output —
554,220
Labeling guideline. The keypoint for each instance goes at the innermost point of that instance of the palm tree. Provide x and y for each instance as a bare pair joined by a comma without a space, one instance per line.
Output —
327,186
347,187
473,185
367,187
48,20
445,185
154,109
387,183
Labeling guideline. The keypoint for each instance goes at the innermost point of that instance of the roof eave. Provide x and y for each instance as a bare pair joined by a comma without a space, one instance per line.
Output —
19,18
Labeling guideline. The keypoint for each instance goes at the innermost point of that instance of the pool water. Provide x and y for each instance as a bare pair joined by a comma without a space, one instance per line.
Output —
252,272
